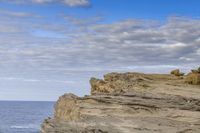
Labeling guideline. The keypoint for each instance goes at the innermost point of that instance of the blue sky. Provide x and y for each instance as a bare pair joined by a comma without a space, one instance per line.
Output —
52,47
114,10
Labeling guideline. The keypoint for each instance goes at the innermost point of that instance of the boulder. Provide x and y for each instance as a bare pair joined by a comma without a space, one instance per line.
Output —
177,72
193,78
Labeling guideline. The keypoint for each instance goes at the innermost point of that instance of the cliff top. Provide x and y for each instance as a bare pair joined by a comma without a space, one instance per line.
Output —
131,102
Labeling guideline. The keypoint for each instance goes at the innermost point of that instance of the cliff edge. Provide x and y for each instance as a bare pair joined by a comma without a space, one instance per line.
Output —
131,103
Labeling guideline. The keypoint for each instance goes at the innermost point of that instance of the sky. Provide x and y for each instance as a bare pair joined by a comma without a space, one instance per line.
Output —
52,47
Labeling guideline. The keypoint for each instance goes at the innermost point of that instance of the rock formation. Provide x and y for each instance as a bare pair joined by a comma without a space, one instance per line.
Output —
177,72
129,103
193,77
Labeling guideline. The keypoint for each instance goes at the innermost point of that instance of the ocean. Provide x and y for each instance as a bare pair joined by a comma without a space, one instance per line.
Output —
23,117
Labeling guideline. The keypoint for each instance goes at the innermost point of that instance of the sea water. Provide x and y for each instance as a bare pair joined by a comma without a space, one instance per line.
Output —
23,117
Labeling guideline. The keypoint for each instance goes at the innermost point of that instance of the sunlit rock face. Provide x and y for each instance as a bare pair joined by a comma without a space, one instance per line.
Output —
119,83
193,77
66,108
130,103
177,72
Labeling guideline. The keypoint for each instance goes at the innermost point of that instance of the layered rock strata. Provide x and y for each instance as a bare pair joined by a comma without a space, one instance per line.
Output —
129,103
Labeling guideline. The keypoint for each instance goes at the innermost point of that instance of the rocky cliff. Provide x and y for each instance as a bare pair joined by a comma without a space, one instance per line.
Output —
130,103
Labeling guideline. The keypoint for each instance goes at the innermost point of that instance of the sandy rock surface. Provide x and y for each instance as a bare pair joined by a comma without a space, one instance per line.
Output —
130,103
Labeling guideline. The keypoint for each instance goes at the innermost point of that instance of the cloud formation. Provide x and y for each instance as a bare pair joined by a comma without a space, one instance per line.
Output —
137,42
40,54
81,44
71,3
74,3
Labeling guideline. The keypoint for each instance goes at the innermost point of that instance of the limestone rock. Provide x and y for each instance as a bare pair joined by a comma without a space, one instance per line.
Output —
193,78
129,103
119,83
177,72
66,108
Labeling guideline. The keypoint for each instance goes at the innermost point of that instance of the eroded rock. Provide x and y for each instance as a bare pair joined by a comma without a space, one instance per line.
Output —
119,83
193,78
130,103
177,72
66,108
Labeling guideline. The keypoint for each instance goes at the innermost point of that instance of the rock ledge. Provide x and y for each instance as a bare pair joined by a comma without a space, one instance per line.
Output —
130,103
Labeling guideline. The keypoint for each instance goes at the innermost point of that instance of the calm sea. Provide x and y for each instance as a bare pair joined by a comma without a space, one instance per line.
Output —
23,117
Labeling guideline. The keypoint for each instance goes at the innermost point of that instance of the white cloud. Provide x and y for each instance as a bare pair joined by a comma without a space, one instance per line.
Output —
17,14
71,3
99,46
36,80
45,54
74,3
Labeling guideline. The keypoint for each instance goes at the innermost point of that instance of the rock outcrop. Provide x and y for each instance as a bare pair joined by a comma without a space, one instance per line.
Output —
129,103
119,83
66,108
177,72
193,77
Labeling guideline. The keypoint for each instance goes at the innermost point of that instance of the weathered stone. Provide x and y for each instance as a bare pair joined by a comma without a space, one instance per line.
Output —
177,72
66,108
193,78
98,85
129,103
119,83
